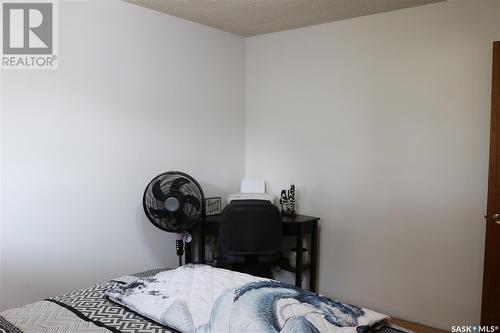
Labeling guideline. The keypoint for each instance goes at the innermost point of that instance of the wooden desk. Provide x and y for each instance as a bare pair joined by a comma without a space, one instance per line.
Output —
298,227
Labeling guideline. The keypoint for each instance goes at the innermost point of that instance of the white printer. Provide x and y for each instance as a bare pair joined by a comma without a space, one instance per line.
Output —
252,190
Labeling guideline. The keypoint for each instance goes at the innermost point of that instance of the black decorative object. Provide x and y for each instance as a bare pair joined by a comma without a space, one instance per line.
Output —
283,201
287,201
174,202
291,199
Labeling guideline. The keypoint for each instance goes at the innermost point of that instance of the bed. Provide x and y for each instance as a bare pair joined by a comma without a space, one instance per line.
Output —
98,309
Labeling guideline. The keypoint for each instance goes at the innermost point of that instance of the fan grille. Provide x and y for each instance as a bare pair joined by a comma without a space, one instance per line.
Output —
174,187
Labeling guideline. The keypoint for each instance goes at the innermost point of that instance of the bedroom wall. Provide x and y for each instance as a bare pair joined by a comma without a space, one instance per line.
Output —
382,122
498,23
1,294
79,144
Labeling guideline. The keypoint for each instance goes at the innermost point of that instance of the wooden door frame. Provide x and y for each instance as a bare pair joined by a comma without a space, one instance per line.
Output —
492,248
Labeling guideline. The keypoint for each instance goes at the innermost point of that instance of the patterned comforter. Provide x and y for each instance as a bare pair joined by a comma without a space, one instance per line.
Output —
83,311
205,299
90,310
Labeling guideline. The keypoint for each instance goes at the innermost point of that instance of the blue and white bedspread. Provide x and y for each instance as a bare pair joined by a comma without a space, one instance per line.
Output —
203,299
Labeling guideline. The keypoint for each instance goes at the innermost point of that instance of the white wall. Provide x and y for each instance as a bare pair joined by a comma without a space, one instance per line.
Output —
137,93
498,23
1,293
382,122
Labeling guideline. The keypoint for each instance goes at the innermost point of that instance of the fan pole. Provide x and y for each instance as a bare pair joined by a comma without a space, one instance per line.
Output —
179,246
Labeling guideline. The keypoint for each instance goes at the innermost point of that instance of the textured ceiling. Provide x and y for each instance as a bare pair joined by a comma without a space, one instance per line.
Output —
255,17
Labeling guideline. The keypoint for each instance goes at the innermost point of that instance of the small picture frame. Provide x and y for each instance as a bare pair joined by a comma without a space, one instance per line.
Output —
213,206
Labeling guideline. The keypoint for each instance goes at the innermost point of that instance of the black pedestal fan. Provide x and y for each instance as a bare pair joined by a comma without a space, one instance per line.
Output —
174,202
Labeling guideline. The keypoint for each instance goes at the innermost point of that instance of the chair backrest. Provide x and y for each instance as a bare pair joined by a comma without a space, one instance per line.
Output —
250,228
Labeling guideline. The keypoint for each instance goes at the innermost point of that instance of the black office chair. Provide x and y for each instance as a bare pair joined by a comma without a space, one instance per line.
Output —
250,237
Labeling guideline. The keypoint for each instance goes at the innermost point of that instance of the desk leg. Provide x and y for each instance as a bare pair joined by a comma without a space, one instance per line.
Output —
298,260
201,250
314,259
187,254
